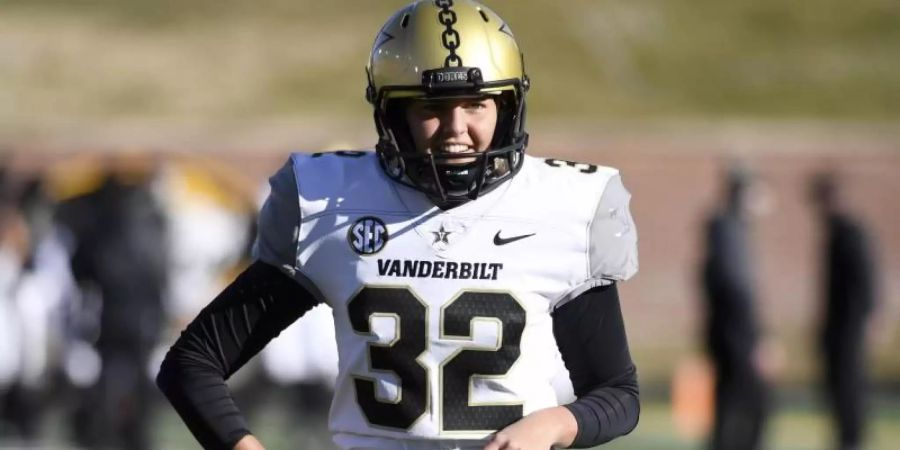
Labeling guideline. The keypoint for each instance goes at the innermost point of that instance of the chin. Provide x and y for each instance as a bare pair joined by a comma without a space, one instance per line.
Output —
456,159
460,161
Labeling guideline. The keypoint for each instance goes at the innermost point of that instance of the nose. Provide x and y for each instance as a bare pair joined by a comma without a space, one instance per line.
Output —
455,121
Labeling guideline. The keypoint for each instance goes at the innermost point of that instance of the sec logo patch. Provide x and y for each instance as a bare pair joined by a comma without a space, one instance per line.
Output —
368,235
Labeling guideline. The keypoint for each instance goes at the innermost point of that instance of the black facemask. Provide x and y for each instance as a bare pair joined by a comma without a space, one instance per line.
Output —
445,183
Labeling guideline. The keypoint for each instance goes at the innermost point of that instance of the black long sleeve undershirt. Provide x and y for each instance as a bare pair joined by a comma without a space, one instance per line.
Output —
262,302
590,334
248,314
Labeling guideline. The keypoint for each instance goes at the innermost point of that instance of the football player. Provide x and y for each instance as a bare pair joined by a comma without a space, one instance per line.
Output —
458,268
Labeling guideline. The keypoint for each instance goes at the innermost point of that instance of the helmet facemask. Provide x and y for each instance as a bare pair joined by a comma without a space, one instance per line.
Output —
445,180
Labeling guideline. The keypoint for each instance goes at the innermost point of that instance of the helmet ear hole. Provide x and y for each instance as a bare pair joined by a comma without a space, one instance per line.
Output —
506,118
395,118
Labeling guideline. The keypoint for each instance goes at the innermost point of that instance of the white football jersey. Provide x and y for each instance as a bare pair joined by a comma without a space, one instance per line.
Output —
442,318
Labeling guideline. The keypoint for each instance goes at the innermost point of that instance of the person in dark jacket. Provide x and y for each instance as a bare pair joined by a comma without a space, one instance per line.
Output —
120,253
848,296
732,330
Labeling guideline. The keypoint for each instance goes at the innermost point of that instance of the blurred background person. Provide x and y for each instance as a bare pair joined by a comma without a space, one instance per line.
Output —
301,366
210,217
119,255
848,296
732,328
14,244
211,220
36,284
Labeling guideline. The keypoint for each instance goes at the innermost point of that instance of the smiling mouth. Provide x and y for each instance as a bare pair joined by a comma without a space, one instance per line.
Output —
455,154
454,149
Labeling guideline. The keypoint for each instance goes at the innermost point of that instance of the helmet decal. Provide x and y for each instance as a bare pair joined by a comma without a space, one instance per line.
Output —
449,37
382,38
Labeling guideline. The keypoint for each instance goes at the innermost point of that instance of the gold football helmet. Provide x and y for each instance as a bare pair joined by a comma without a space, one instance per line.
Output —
438,49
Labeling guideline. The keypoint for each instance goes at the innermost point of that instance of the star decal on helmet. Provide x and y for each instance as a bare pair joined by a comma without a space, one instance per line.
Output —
382,38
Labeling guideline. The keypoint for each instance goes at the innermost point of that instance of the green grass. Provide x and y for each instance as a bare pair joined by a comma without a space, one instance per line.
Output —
639,59
797,424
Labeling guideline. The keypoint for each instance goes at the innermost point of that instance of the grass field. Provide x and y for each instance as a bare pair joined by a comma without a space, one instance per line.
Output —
798,424
638,59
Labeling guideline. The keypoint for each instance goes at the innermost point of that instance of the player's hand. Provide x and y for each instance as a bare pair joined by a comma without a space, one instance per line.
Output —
539,430
248,442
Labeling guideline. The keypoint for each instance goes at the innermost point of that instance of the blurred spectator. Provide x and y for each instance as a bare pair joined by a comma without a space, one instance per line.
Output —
35,285
210,217
120,255
302,365
14,244
732,330
849,294
211,222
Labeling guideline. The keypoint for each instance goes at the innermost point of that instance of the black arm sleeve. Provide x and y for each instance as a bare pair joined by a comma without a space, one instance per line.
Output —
590,334
249,313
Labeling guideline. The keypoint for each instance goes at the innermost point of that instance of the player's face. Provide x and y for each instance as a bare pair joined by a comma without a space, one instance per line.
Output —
452,126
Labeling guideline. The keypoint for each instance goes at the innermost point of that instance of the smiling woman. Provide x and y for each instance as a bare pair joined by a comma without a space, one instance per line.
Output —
449,129
445,340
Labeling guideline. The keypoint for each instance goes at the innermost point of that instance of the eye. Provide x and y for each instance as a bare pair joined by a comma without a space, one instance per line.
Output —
434,107
475,105
425,109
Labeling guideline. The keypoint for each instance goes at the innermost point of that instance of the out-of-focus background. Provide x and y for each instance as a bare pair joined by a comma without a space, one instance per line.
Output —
147,130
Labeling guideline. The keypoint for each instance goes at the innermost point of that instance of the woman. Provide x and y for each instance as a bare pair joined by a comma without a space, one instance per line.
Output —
457,267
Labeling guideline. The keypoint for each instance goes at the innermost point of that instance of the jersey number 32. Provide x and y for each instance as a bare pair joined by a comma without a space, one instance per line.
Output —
400,357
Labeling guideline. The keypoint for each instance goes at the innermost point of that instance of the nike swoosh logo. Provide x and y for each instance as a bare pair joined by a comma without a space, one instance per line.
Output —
503,241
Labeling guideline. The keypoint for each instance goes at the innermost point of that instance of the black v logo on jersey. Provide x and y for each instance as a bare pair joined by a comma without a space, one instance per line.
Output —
503,241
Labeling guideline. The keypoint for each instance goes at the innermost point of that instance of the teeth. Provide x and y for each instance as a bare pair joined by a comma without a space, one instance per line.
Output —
455,148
